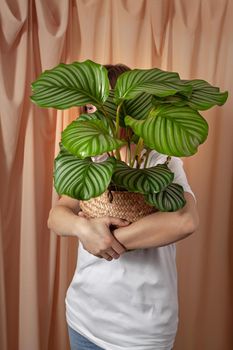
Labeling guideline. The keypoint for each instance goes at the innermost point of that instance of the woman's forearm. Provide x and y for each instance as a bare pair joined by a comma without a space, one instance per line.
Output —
160,228
63,221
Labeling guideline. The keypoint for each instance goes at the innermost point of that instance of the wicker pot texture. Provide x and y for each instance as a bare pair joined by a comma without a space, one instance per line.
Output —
122,204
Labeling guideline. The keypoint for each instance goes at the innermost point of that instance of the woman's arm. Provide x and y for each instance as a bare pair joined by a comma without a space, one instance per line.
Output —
94,234
160,228
63,219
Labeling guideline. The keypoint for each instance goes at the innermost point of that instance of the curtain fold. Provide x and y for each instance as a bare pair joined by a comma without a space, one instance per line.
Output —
193,38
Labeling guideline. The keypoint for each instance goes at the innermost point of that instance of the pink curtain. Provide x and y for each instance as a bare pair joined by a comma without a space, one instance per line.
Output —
193,38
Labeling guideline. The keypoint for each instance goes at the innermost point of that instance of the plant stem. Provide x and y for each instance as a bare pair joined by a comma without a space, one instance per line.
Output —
118,129
130,154
118,155
118,120
137,153
147,157
126,154
114,131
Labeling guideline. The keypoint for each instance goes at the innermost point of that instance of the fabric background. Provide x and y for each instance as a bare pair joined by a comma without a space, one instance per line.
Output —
193,38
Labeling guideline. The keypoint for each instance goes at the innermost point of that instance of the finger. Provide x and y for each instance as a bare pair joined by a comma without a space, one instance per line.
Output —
118,221
106,256
113,253
118,247
82,214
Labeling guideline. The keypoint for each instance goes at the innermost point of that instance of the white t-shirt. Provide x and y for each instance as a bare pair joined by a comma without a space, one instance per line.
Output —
129,303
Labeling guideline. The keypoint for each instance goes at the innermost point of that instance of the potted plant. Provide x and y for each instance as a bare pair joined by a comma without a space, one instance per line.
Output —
157,111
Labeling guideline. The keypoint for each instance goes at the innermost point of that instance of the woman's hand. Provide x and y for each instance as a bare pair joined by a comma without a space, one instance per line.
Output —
97,238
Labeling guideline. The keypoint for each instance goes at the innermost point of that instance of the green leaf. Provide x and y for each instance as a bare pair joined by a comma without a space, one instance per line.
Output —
86,117
147,180
172,130
153,81
74,84
204,95
139,107
89,138
177,100
81,178
170,198
95,116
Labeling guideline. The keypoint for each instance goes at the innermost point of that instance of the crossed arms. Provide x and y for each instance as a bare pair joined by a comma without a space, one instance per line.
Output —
155,230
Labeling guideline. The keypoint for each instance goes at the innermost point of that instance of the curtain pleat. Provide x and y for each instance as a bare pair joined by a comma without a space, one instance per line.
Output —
193,38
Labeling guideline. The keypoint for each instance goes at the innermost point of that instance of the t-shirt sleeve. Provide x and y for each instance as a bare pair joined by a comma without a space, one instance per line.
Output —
176,166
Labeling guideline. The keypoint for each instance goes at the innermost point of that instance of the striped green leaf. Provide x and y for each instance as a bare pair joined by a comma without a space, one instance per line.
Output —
138,107
177,100
152,81
170,198
147,180
204,95
89,138
95,116
74,84
172,130
81,178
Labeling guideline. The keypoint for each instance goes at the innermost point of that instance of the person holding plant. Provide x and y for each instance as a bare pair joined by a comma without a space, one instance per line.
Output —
127,142
123,295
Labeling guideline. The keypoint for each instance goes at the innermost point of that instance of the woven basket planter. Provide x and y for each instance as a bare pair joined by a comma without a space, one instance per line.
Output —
122,204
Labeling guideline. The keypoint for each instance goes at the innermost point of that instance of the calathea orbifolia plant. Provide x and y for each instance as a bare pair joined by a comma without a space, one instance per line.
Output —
157,110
